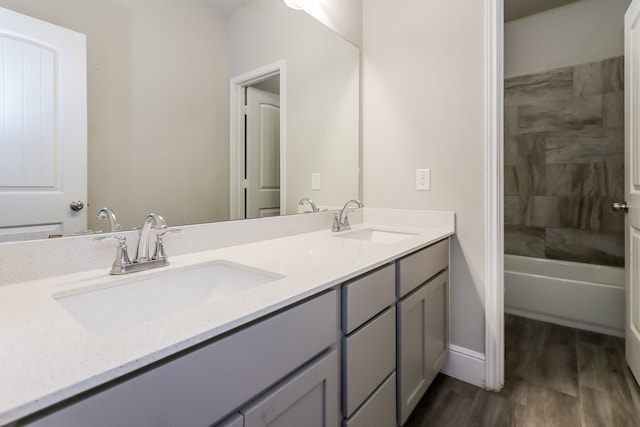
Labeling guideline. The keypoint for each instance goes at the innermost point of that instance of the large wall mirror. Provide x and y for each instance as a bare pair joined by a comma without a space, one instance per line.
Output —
166,80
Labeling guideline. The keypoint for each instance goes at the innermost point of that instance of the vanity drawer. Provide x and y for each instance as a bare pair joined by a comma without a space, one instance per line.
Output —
369,356
367,296
419,267
379,410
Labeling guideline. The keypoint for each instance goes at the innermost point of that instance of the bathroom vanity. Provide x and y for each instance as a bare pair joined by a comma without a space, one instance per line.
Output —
351,331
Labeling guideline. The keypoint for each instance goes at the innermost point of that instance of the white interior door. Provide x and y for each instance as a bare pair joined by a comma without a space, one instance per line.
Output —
262,154
43,128
632,185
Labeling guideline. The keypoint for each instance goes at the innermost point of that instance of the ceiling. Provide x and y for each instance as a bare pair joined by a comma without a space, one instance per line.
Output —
515,9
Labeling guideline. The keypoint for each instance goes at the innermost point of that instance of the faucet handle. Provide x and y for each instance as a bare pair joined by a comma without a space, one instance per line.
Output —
159,253
336,222
345,221
121,239
166,230
122,256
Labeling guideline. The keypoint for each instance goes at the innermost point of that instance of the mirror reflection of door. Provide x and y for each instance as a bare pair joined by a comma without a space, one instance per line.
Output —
43,129
262,149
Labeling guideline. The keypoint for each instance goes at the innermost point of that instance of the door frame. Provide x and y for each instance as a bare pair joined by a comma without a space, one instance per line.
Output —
237,131
494,192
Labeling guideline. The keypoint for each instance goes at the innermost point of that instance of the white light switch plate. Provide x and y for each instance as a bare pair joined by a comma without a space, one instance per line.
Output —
315,181
423,179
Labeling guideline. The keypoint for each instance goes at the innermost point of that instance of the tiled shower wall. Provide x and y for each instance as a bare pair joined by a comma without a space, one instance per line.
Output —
564,163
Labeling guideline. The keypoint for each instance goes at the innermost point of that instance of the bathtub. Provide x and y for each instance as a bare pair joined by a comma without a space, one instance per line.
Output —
573,294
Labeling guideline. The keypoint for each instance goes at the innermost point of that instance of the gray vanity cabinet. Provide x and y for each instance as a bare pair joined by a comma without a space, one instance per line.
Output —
309,398
423,335
361,356
289,357
369,349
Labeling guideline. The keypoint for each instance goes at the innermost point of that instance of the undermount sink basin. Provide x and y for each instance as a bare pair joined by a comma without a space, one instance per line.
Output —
115,306
376,236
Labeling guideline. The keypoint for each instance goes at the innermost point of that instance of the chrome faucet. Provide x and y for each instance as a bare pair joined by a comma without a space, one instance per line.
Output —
143,260
340,219
304,200
153,220
107,212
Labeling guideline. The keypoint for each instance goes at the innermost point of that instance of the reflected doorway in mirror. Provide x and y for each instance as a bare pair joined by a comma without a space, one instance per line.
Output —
43,123
257,143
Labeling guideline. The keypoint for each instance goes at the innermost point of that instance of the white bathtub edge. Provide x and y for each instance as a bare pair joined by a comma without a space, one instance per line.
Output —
583,305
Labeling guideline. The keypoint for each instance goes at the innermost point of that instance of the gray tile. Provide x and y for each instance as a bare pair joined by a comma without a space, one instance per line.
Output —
511,123
612,220
599,179
585,246
581,213
512,212
517,180
512,154
565,114
539,88
527,241
602,409
613,74
541,211
590,146
525,150
613,110
587,79
552,180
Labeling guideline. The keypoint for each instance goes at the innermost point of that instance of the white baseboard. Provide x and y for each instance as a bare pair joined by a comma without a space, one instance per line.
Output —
466,365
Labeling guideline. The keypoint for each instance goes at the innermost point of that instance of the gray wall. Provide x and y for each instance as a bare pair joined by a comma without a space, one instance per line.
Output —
564,163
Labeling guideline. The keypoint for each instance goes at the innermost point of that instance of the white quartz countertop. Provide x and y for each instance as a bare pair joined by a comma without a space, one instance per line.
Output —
47,356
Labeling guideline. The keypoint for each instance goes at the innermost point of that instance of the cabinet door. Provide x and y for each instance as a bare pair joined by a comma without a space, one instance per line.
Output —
422,341
310,398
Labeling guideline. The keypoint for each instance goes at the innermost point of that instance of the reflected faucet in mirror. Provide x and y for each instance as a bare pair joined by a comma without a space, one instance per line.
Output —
304,200
108,213
341,220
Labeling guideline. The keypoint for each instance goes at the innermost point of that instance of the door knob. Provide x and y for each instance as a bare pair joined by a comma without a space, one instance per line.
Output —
621,206
76,205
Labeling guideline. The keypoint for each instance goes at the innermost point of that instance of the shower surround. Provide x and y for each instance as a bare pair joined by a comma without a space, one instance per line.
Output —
564,163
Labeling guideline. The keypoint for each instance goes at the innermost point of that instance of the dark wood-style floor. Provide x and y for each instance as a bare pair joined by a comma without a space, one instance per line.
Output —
554,376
